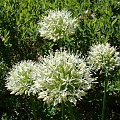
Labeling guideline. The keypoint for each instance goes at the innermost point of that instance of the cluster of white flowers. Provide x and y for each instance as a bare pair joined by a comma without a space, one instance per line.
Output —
57,24
20,79
60,76
64,77
103,56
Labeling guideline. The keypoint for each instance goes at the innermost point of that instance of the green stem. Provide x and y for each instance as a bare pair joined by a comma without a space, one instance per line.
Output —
62,110
104,97
72,117
33,107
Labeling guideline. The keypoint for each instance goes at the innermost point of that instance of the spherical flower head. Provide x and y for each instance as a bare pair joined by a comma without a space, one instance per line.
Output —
21,77
57,24
103,56
64,77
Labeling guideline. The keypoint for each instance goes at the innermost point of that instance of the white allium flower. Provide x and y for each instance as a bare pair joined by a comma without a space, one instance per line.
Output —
64,77
103,56
57,24
22,76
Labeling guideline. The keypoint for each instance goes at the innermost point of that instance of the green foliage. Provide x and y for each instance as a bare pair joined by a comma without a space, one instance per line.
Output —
4,116
99,22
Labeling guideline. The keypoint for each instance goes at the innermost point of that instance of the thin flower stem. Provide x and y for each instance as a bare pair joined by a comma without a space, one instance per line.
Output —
62,110
32,100
72,117
104,97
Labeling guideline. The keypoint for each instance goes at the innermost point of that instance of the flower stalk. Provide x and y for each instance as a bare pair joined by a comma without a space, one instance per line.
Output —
72,117
105,95
62,110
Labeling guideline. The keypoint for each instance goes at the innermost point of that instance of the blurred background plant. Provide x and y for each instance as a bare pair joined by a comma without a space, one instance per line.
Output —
99,22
